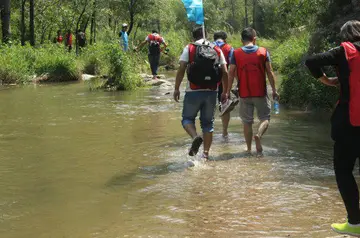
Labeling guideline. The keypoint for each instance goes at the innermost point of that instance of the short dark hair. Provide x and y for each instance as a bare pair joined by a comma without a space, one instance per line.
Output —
350,31
198,33
248,34
220,35
154,31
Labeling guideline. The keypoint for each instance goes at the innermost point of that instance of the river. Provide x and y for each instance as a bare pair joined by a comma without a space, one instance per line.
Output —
75,163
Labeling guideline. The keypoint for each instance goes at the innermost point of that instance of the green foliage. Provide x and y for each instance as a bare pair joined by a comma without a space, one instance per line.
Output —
123,72
15,64
298,87
94,60
59,65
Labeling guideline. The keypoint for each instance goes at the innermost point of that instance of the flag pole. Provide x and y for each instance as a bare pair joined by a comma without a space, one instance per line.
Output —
203,25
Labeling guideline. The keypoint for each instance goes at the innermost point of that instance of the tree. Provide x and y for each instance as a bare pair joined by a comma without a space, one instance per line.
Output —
22,23
5,20
32,23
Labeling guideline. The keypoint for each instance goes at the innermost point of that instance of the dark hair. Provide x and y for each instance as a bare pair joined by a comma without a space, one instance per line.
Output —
350,31
220,35
248,34
154,31
198,33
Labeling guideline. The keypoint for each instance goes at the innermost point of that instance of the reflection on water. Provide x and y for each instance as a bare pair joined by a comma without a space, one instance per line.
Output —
75,163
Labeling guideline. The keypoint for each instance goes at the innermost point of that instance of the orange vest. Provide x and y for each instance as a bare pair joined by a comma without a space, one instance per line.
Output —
251,72
226,49
353,58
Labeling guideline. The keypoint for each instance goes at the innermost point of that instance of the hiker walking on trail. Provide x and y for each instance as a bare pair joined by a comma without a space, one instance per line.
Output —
225,109
345,121
154,41
68,40
206,68
251,64
124,37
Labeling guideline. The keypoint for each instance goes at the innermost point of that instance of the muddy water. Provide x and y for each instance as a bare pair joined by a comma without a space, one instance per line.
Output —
75,163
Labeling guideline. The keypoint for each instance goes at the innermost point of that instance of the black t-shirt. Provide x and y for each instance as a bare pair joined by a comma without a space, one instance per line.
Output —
340,121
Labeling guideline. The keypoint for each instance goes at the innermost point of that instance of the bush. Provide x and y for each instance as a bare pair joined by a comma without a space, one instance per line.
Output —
298,87
124,73
15,64
94,60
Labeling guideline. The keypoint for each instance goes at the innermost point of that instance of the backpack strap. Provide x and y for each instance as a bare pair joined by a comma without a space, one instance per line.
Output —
192,52
350,50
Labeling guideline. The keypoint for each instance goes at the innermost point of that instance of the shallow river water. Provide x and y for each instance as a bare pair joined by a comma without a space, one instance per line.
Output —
75,163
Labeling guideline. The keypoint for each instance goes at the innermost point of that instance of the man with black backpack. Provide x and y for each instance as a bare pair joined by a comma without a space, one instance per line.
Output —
206,69
155,41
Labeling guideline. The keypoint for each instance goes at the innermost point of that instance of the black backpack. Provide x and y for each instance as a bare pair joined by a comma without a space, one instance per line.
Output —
204,69
82,39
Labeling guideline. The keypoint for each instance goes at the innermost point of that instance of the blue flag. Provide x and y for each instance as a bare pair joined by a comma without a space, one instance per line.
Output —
195,11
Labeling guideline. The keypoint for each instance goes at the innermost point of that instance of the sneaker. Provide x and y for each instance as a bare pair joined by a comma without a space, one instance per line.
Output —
235,92
228,106
195,146
346,229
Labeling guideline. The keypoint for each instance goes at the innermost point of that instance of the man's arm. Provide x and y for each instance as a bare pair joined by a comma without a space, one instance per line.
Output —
271,76
232,72
179,78
141,45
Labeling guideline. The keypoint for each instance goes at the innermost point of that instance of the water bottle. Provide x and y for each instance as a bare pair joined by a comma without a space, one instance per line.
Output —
276,106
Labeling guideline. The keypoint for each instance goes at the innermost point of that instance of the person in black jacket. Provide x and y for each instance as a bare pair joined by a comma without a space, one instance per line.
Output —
344,133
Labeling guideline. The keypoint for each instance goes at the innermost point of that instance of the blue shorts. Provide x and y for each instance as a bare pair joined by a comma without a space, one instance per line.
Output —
203,102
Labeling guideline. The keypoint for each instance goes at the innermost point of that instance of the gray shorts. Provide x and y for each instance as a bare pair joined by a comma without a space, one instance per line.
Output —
262,105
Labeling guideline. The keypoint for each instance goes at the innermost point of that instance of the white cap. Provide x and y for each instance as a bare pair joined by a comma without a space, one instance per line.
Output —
124,25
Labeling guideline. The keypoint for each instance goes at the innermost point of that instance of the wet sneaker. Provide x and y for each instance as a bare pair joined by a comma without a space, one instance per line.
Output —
227,107
195,146
346,229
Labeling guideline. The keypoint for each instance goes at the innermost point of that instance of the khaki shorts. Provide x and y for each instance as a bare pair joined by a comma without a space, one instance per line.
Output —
262,105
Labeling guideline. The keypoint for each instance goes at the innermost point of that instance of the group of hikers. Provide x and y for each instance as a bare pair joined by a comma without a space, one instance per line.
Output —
68,39
211,68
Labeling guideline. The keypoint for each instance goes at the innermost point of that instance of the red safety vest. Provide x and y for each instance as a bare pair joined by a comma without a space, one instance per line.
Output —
192,54
251,72
226,49
353,58
156,38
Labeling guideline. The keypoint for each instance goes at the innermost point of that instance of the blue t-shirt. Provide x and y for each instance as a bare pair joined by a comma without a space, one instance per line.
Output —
125,40
220,44
249,50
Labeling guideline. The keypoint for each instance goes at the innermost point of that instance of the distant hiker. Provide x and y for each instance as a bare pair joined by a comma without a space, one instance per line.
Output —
251,64
225,109
155,41
68,40
345,121
81,39
124,37
59,38
206,68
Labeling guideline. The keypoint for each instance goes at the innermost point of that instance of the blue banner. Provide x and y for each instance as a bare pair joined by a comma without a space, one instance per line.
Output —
195,11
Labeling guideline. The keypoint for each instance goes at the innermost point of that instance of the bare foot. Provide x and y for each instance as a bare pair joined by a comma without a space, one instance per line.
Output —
259,148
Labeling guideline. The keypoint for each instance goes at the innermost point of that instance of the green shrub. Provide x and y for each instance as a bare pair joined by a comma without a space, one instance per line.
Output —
94,60
15,64
60,66
124,72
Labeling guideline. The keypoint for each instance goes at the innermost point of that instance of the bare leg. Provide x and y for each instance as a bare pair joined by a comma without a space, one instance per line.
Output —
248,132
225,122
261,131
208,138
191,130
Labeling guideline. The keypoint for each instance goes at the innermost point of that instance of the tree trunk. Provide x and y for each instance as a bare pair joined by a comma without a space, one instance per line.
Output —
93,26
254,13
246,14
23,26
132,15
232,2
32,23
5,20
77,27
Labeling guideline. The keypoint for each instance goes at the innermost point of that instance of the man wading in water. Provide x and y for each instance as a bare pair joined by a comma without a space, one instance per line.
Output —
206,68
251,64
155,41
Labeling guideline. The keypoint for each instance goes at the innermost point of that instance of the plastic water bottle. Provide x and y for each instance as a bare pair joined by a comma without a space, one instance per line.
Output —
276,106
